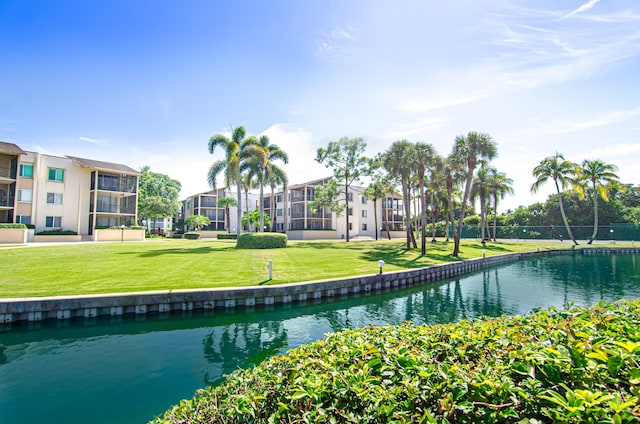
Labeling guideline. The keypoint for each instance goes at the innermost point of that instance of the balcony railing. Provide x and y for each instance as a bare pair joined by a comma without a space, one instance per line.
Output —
7,173
7,201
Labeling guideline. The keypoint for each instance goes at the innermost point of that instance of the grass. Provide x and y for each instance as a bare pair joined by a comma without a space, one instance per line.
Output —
91,268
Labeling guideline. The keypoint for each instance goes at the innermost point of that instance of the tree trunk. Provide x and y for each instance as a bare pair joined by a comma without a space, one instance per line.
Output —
595,215
564,216
450,206
246,207
495,216
423,219
386,217
261,229
272,215
375,215
433,218
346,199
239,194
285,193
465,198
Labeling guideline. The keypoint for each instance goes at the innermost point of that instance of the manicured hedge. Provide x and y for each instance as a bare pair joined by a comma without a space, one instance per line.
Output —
566,366
227,236
57,233
13,226
192,236
261,241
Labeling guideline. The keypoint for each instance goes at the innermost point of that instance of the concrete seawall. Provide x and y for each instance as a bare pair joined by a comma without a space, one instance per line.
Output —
164,301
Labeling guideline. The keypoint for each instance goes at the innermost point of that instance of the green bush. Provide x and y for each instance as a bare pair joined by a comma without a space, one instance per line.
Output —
13,226
227,236
192,235
57,233
261,241
569,366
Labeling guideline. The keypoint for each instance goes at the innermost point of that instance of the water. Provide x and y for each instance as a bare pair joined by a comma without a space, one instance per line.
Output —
128,370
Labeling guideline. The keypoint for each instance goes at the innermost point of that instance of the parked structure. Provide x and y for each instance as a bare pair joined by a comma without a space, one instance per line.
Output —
65,193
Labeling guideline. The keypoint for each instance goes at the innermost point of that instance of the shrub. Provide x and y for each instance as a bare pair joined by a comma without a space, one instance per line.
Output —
570,366
261,241
192,235
227,236
13,226
57,233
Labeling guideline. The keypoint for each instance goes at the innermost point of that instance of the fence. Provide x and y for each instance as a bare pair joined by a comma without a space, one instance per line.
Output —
554,232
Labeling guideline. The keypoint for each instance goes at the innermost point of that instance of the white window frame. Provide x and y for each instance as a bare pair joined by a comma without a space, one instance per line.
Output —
56,198
21,195
54,219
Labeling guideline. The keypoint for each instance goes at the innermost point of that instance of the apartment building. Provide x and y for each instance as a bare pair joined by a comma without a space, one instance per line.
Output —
294,213
206,204
65,193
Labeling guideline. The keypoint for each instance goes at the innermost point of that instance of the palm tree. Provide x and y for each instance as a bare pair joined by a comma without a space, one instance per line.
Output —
470,149
397,162
260,164
480,191
235,153
453,173
423,157
227,203
499,186
376,190
247,182
435,187
198,221
562,172
599,177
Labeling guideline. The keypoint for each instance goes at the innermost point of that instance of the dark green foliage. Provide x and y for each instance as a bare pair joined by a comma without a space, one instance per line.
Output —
227,236
12,226
192,236
261,241
57,233
570,366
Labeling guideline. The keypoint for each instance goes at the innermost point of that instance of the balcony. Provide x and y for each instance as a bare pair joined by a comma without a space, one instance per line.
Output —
7,201
7,173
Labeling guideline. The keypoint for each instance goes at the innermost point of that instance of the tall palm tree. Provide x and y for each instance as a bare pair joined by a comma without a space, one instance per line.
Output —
397,161
247,182
599,177
378,190
262,155
562,172
423,157
471,148
480,191
436,189
235,153
453,173
227,203
499,186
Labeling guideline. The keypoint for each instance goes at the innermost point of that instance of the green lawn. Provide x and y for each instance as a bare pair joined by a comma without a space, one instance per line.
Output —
90,268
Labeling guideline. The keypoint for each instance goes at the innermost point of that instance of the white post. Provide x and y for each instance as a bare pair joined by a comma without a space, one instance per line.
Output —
270,267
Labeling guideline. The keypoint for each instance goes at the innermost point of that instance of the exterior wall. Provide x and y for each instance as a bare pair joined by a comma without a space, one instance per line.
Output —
118,235
13,235
206,204
299,217
311,234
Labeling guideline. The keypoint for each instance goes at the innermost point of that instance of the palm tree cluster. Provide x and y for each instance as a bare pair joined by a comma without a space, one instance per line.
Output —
593,177
248,163
443,186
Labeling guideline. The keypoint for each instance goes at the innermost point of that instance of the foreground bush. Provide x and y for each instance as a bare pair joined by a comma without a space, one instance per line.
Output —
570,366
261,241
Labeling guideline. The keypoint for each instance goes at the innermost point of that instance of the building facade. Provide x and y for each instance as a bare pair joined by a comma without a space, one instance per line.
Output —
206,204
294,215
65,193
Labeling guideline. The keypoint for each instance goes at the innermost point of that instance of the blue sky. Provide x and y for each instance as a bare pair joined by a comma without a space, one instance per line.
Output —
148,82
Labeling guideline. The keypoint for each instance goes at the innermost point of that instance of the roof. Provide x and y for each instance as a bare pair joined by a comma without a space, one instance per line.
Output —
104,166
10,148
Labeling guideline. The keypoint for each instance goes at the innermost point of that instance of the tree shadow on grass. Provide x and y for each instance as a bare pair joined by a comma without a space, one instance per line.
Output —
178,251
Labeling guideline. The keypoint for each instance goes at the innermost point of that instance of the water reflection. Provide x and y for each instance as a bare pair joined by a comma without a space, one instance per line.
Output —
131,369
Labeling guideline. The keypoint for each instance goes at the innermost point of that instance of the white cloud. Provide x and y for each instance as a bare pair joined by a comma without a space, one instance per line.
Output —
583,8
90,140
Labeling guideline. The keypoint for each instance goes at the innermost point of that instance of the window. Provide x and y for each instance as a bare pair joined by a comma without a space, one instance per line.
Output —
364,227
25,196
350,211
278,212
56,175
53,222
26,170
54,198
350,197
350,226
23,219
364,200
364,213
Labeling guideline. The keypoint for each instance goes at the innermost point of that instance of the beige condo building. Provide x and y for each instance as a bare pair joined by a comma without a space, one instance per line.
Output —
65,193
